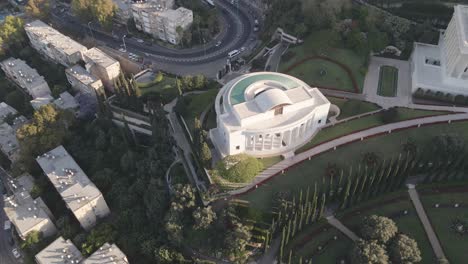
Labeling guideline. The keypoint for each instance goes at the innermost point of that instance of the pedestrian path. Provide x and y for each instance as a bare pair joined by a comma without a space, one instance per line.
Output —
338,225
283,165
425,221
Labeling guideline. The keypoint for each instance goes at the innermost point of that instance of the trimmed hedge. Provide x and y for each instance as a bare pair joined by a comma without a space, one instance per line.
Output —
441,97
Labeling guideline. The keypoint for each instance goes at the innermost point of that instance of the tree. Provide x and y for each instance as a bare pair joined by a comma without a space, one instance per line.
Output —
184,197
371,252
159,77
100,10
389,115
239,168
236,240
203,217
205,154
404,249
167,255
378,228
97,237
12,34
31,239
38,8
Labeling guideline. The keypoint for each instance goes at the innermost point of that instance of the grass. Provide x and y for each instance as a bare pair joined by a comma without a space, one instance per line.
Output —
198,104
454,245
350,107
388,81
326,43
363,123
408,224
178,174
308,172
166,88
268,162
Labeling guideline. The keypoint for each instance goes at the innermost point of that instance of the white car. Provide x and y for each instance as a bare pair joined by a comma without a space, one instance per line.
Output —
122,50
218,44
242,49
7,225
16,253
140,41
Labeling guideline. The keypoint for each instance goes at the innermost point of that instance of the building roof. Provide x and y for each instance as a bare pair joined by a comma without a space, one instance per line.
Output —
176,15
66,101
8,142
26,77
50,36
68,178
84,77
60,251
461,16
271,98
6,110
41,101
107,254
98,57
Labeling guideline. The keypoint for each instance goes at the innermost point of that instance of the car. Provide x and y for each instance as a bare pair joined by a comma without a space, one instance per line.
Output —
140,41
242,49
218,44
255,28
122,50
7,225
16,253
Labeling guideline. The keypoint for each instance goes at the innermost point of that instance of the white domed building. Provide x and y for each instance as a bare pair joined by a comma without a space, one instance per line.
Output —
267,114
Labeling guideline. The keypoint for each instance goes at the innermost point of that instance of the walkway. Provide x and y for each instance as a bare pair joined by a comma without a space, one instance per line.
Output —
274,59
283,165
338,225
425,221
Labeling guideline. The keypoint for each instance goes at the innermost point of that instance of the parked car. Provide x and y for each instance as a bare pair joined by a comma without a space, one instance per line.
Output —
140,40
122,50
242,49
16,253
7,225
218,44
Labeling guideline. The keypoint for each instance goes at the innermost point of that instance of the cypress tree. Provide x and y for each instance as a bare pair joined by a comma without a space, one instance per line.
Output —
283,241
300,198
339,187
300,260
330,188
294,226
288,232
314,205
322,205
384,182
344,200
363,184
301,217
290,256
379,179
352,197
391,186
309,212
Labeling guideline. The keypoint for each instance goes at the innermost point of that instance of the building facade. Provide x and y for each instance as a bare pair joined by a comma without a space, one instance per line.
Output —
444,67
25,77
102,66
82,81
159,19
10,121
53,44
267,114
81,196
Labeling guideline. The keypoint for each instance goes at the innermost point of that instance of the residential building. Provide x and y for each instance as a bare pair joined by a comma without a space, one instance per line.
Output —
41,101
82,81
267,114
107,253
66,101
25,77
8,143
160,20
80,195
60,251
53,44
24,212
444,67
102,66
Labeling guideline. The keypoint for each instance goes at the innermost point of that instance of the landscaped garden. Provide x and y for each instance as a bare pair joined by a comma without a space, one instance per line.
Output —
363,123
449,220
327,73
350,107
388,81
164,85
178,175
384,147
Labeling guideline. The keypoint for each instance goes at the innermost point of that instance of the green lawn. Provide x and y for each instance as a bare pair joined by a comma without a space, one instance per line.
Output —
198,103
408,224
388,81
178,174
166,88
350,107
363,123
308,172
325,43
268,162
455,246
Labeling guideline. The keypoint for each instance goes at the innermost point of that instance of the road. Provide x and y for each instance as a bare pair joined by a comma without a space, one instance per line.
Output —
238,32
6,257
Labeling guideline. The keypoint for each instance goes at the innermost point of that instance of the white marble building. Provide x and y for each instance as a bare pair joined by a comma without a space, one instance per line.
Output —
444,67
267,114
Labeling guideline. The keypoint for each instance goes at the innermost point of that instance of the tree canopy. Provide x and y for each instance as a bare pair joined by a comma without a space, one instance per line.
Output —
12,34
369,252
378,228
404,250
239,168
38,8
100,10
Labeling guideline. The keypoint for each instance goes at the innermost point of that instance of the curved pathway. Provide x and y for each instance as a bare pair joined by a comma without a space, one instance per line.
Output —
282,166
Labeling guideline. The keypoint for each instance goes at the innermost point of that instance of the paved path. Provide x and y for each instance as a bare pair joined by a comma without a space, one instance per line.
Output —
338,225
284,164
274,59
425,221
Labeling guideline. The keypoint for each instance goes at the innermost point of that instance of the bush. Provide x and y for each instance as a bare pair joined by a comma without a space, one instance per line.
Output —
365,252
378,228
390,115
239,168
159,77
404,250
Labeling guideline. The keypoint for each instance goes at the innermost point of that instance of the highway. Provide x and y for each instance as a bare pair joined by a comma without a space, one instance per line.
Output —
237,33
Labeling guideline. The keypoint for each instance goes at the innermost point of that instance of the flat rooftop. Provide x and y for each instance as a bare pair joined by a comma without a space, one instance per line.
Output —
6,110
66,101
83,76
175,15
60,251
25,76
8,142
106,254
68,178
100,58
461,14
50,36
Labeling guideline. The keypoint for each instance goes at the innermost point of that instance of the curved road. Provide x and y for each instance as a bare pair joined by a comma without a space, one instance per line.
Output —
238,29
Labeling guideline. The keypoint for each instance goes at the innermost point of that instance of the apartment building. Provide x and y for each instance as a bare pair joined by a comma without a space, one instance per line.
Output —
8,143
102,66
107,253
61,251
66,101
159,19
81,196
82,81
24,212
27,78
53,44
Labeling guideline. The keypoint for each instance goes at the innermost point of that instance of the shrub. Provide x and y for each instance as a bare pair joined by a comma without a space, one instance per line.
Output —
378,228
239,168
390,115
404,250
159,77
369,252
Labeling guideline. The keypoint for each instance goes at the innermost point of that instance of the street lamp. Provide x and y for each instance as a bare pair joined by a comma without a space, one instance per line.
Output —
89,26
123,40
